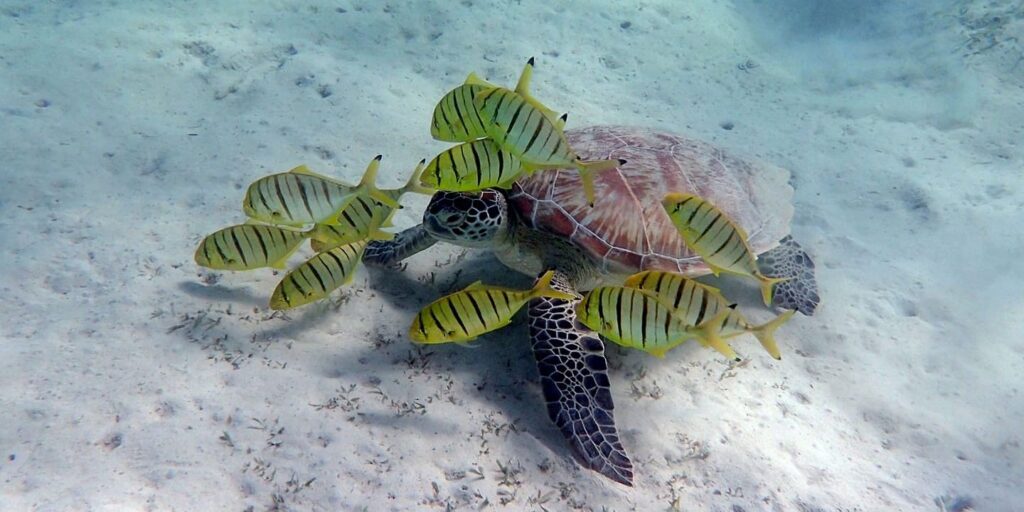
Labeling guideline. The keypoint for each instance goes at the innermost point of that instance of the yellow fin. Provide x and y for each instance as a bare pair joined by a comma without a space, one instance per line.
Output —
765,333
523,90
766,286
368,185
478,285
710,329
474,79
634,280
587,170
543,288
377,234
415,183
302,169
658,352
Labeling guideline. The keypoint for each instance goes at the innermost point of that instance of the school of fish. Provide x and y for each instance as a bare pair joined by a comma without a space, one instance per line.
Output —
502,134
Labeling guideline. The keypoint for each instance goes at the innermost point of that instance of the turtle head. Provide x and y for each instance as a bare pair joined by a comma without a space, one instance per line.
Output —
469,219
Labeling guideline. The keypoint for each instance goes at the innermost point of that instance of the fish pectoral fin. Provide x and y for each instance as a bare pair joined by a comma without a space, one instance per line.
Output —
658,352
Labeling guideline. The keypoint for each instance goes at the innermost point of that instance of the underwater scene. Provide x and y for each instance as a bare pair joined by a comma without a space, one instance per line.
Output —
714,255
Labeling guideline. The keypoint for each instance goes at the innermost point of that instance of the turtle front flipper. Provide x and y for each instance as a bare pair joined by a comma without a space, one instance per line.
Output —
387,253
574,378
800,291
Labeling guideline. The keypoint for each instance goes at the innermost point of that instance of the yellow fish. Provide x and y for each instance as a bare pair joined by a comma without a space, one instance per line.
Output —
522,129
248,246
476,310
364,217
457,119
318,276
300,197
719,241
473,166
694,302
637,319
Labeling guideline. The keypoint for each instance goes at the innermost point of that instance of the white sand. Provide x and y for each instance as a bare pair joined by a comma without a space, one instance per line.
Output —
130,379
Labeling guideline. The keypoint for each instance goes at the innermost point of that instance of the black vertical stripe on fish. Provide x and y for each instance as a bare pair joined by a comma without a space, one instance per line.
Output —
293,279
263,195
423,322
703,309
366,208
217,241
504,302
727,240
348,218
668,323
474,110
643,323
600,306
458,318
476,159
316,273
494,307
679,205
263,244
284,293
739,257
280,197
437,322
458,111
444,115
337,261
710,225
679,296
326,191
238,246
536,132
551,132
476,307
619,311
515,116
558,146
488,149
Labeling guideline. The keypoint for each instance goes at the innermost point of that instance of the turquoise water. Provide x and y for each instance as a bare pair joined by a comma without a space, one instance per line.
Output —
131,378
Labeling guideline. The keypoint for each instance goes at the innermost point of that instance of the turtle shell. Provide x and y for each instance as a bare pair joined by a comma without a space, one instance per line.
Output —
627,230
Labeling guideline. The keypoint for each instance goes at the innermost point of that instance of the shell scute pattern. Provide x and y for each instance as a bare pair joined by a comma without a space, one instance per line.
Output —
627,230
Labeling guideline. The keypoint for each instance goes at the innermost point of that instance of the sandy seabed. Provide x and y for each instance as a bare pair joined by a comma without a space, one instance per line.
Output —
131,379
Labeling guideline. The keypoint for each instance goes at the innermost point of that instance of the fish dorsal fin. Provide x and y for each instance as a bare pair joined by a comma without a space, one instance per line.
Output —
306,171
478,285
474,79
634,280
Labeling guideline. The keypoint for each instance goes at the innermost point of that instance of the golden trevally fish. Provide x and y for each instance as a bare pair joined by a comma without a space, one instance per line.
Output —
301,197
720,242
318,276
476,310
249,246
694,302
364,217
472,166
638,319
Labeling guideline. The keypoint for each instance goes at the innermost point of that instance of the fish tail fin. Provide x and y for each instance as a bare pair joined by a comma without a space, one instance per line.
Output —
766,286
543,288
415,183
369,184
710,331
587,171
765,333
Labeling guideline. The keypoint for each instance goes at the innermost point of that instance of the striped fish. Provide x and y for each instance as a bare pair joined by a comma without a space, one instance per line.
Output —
523,130
694,302
456,118
719,241
318,276
476,310
472,166
364,217
636,319
300,197
248,246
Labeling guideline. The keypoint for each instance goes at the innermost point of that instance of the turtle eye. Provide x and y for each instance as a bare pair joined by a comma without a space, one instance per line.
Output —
453,218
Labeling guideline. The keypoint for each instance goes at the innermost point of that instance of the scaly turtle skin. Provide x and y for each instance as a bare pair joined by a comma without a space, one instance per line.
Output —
544,223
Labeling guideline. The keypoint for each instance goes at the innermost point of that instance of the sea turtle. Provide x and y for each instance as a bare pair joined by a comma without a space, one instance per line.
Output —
544,223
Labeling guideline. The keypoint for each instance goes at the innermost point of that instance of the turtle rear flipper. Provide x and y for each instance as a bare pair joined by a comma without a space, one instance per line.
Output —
387,253
574,378
800,291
